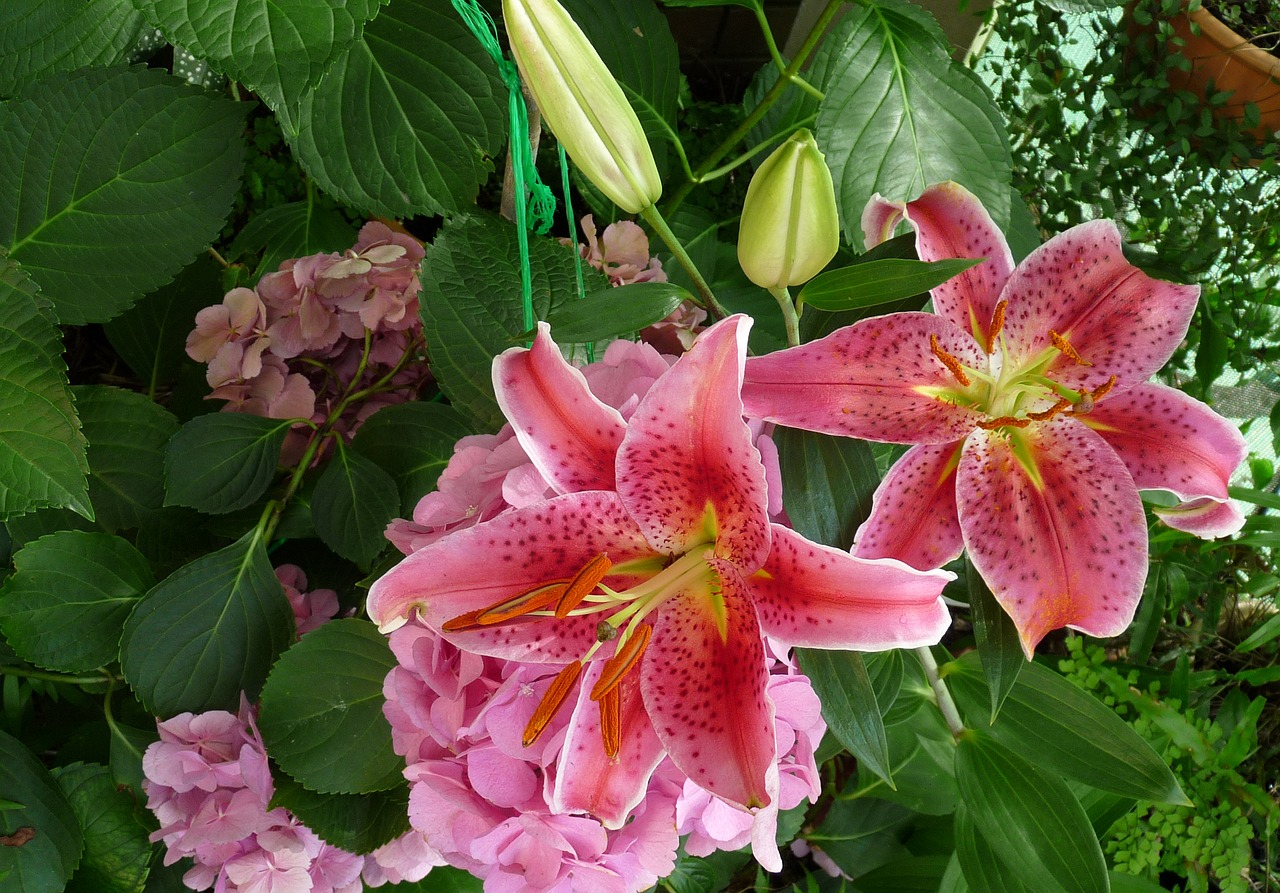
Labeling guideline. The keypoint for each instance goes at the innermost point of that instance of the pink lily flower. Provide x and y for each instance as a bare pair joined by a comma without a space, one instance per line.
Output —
651,577
1026,395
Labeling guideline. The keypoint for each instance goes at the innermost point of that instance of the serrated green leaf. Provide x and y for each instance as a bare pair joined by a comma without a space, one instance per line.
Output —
354,500
278,48
66,603
982,868
45,861
116,849
444,879
42,450
611,312
1083,6
41,37
878,282
999,647
408,119
849,705
128,139
1071,732
321,711
209,631
293,230
1030,819
357,823
900,115
862,832
827,482
413,442
223,461
472,310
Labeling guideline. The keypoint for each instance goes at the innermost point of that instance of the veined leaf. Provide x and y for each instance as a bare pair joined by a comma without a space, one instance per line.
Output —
412,442
44,820
42,37
354,500
998,645
849,705
878,282
828,482
982,868
293,230
116,848
611,312
223,461
357,823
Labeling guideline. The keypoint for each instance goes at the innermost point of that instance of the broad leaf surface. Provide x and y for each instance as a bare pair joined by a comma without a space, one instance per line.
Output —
412,442
828,482
41,37
999,648
128,140
409,118
353,502
66,603
223,461
116,849
42,450
209,631
878,282
612,312
321,714
293,230
982,868
862,831
900,114
357,823
849,706
908,874
45,862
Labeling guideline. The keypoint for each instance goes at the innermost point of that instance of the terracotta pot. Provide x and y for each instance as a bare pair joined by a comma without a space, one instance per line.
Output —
1222,56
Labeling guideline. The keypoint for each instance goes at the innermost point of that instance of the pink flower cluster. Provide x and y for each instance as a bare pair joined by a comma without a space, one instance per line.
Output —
209,785
294,346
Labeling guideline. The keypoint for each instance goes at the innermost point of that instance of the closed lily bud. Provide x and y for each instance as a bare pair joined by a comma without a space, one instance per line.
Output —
582,102
789,229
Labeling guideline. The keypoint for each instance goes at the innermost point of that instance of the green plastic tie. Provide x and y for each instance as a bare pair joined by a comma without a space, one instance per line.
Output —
573,240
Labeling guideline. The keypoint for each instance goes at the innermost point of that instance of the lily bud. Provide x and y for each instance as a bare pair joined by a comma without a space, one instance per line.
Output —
582,102
789,229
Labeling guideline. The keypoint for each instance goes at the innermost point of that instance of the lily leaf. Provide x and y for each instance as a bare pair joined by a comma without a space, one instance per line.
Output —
998,645
849,705
879,282
611,312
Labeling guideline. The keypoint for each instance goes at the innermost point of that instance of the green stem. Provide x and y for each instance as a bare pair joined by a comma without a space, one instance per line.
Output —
789,316
64,678
113,725
946,704
766,102
654,218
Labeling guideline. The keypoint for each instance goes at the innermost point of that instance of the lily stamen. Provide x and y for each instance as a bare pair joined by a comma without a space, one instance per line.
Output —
1061,406
611,722
997,325
581,586
536,598
551,702
623,660
1064,346
952,364
1004,420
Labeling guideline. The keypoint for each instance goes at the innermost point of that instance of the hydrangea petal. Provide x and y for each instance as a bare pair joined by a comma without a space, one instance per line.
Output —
1062,542
950,222
705,692
1115,316
814,596
1170,441
687,470
569,435
865,381
587,780
913,513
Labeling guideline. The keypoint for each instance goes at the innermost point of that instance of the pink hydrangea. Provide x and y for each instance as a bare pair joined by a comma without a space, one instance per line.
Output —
621,252
310,609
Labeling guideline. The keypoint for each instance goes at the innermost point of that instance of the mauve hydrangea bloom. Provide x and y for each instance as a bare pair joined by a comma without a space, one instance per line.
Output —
621,252
1026,395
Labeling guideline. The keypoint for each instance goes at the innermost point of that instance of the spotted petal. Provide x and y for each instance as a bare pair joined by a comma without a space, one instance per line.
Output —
571,437
704,687
1053,523
687,470
587,780
913,513
877,379
950,222
817,597
1170,441
1116,317
480,566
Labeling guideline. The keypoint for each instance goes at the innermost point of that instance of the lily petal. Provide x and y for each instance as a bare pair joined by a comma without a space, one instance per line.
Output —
1062,539
587,780
877,379
1116,317
477,567
814,596
913,513
687,471
950,222
703,680
1170,441
570,436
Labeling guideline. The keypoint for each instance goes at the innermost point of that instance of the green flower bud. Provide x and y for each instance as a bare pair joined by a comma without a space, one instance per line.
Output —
790,229
582,103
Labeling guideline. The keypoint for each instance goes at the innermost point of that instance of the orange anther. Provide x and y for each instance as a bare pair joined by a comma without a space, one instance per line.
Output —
535,598
581,585
1065,347
1003,421
1101,390
1060,406
997,325
551,702
623,660
949,361
611,722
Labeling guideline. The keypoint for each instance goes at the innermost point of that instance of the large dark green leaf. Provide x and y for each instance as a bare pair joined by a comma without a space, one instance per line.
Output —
66,604
116,849
412,442
998,645
41,37
223,461
408,119
862,832
982,868
143,176
293,230
357,823
849,705
43,839
208,632
611,312
900,115
353,502
42,451
878,282
827,483
321,714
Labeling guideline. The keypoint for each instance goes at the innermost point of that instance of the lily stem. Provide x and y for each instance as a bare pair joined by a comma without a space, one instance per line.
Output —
790,318
946,704
654,218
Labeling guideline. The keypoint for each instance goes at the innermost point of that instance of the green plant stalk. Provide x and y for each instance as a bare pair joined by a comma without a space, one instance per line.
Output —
946,704
790,318
63,678
772,44
766,102
654,218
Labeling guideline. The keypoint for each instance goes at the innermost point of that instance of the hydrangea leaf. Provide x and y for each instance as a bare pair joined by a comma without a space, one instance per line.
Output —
116,848
43,838
66,603
223,461
354,500
413,442
357,823
128,139
42,449
41,37
293,230
209,631
321,711
408,119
